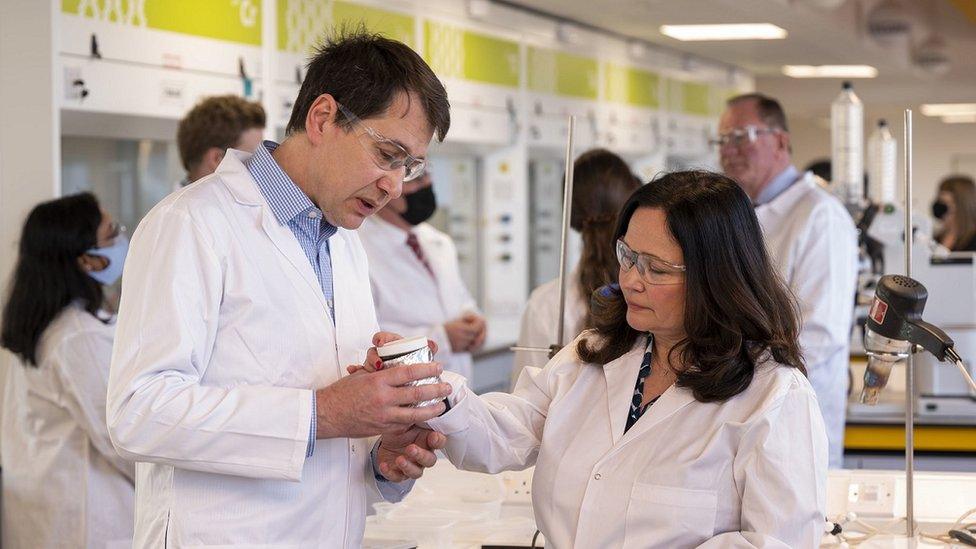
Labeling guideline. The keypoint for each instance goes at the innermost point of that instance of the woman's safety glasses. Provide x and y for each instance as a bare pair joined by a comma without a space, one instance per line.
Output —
386,154
651,268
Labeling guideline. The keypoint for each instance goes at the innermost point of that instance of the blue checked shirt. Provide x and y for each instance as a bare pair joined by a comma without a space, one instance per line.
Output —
292,207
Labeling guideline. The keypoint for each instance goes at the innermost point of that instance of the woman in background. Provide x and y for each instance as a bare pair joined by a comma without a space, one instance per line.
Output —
956,208
63,483
602,181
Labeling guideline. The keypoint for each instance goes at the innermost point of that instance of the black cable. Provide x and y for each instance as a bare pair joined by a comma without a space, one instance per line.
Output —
963,537
535,538
953,355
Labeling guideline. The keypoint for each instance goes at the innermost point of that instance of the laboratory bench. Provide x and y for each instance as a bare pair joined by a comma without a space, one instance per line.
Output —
875,435
455,509
452,509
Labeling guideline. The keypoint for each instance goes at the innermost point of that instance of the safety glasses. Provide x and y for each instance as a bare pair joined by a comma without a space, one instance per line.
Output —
386,154
651,268
740,137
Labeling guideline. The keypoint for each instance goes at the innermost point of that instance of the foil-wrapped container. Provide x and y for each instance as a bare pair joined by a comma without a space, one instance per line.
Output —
413,350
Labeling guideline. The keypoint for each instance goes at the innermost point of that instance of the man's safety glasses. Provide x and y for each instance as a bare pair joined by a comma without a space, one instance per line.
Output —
386,154
740,137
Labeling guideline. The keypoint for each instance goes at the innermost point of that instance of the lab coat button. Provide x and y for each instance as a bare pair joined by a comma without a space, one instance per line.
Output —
597,476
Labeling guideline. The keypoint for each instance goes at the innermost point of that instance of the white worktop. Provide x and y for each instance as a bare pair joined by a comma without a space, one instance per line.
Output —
451,509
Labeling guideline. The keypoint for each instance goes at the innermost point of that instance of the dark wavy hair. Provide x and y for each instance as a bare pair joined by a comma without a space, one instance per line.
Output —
602,182
47,277
737,311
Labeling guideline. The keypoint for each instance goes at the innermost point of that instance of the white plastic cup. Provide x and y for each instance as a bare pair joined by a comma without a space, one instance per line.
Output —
412,350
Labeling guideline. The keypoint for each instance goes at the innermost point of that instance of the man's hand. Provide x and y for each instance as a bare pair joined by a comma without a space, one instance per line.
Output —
405,454
477,324
461,334
368,404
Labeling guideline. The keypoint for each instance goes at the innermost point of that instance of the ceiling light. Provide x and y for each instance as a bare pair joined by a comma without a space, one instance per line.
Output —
949,109
830,71
750,31
960,119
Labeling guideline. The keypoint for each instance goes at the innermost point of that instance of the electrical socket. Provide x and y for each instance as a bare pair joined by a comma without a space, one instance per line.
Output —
518,487
871,497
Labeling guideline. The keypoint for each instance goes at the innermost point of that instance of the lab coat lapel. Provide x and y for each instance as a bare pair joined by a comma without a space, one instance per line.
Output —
341,286
783,204
426,284
434,252
621,376
288,246
669,404
246,192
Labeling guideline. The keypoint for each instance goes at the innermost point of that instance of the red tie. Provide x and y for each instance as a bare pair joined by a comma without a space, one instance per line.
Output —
418,251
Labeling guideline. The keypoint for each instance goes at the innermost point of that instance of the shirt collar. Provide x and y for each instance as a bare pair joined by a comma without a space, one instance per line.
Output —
779,184
284,197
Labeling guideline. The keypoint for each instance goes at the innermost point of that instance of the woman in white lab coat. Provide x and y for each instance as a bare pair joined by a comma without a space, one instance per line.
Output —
63,483
683,419
602,181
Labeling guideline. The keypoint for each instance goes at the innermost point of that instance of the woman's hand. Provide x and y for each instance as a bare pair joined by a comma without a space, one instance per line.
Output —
373,362
404,455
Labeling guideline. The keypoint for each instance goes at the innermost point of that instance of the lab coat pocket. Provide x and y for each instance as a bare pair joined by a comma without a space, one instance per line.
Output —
668,516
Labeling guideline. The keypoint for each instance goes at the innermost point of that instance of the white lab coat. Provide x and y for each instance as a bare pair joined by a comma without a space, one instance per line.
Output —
409,301
64,485
812,240
223,333
177,185
748,472
540,318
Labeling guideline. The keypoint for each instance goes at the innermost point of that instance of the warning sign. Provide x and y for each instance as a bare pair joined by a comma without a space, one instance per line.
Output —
878,310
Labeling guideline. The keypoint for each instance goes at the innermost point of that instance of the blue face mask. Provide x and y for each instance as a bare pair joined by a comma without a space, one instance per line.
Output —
116,259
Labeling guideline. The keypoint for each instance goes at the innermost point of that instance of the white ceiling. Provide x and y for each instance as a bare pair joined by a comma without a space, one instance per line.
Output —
816,36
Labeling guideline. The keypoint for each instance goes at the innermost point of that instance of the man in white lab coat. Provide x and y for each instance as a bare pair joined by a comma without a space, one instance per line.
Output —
246,298
212,126
810,237
416,280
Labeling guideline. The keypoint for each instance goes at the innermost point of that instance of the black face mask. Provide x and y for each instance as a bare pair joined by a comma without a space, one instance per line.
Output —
420,206
939,209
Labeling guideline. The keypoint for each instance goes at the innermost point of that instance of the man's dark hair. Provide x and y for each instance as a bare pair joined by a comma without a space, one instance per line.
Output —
365,72
770,111
217,121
